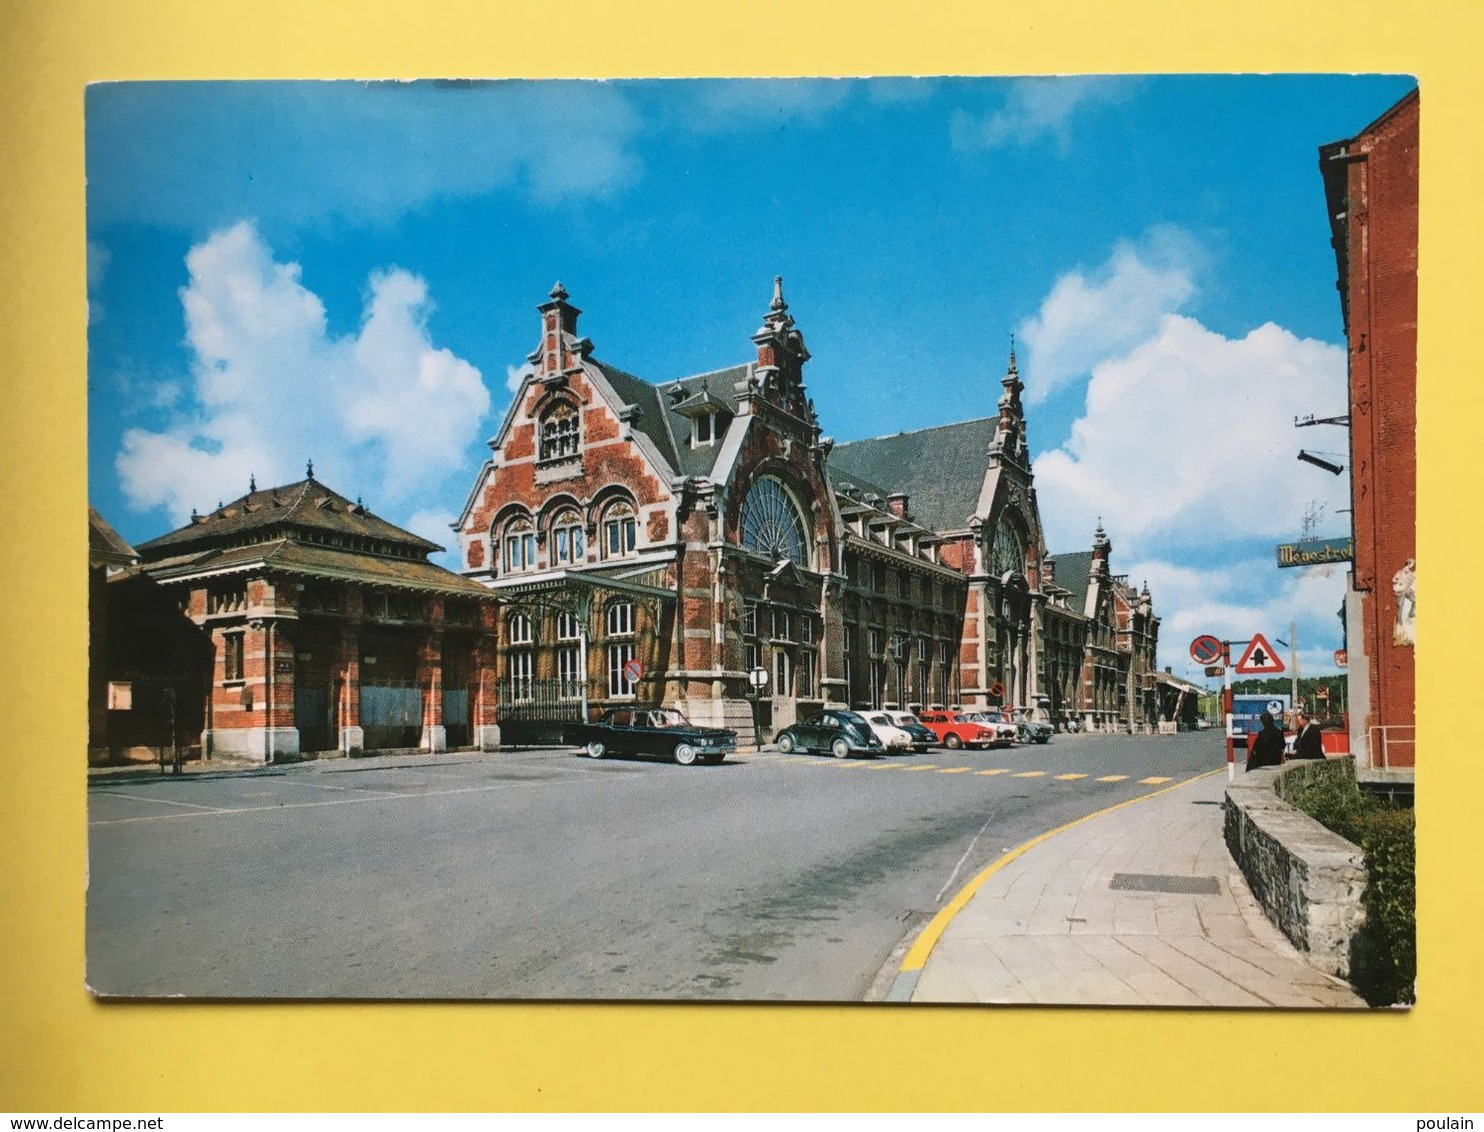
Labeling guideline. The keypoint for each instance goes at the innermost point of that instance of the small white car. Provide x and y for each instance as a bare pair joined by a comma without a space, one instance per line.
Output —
921,737
892,737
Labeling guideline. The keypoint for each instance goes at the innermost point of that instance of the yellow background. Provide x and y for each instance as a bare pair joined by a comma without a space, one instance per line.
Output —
65,1052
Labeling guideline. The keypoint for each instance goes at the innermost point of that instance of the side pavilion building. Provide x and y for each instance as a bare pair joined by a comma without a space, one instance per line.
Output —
328,628
700,543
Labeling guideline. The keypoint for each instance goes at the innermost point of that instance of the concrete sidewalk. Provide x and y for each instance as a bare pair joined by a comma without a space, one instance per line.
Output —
1138,906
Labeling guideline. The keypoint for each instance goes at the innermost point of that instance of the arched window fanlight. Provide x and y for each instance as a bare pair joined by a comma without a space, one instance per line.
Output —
620,531
771,523
519,546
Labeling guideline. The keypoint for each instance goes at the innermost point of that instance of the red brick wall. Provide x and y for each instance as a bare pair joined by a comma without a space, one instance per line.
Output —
1382,244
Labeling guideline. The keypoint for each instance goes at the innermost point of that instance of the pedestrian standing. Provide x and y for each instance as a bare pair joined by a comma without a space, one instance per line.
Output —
1307,744
1265,746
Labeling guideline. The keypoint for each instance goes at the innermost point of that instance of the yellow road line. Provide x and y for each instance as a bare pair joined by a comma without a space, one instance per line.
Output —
924,766
917,955
1113,778
884,766
1069,777
956,770
1153,781
1031,774
996,770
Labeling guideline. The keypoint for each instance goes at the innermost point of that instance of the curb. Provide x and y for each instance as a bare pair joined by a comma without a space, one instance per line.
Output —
904,985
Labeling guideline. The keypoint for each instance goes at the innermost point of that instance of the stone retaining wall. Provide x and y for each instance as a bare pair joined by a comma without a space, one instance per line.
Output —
1309,881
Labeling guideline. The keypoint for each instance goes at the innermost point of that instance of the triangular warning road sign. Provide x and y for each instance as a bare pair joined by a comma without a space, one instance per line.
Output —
1259,659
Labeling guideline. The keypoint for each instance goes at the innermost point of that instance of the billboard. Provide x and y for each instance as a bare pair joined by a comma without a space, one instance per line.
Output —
1247,708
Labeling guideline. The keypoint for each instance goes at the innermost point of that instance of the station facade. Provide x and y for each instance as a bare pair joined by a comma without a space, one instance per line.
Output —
700,543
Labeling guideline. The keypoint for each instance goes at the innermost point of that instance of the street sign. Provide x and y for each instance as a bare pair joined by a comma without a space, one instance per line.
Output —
1259,659
1316,551
632,670
1205,649
996,690
1215,670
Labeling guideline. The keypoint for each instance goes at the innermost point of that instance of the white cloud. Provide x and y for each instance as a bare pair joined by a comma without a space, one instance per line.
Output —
436,526
382,412
1035,108
1236,600
1092,315
515,376
1188,440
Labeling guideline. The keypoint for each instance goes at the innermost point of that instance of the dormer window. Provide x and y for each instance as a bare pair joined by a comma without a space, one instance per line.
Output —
705,429
559,438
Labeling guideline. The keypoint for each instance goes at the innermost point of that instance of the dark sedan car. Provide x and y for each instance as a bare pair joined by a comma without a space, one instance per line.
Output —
652,731
841,733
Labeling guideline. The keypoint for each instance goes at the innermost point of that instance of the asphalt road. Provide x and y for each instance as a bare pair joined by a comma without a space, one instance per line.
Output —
542,874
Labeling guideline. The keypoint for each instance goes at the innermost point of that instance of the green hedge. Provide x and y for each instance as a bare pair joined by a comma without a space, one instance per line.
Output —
1384,965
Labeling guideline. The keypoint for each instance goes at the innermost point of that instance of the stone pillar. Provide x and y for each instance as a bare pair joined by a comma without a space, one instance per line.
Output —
487,680
434,735
352,738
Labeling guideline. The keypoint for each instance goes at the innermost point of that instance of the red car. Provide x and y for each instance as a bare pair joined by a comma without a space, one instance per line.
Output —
954,730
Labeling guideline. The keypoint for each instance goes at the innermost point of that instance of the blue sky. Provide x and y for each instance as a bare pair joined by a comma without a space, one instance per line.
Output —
348,272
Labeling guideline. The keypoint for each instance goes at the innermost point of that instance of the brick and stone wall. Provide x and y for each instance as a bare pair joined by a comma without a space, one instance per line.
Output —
1309,881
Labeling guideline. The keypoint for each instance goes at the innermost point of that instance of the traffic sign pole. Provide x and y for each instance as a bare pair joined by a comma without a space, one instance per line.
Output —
1226,703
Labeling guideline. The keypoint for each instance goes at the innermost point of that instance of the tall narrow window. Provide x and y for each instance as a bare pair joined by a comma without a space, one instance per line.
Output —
619,655
620,531
569,541
520,546
705,426
570,676
522,668
232,656
559,432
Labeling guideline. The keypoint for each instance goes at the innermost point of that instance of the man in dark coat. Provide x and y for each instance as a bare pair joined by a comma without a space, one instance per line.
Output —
1265,747
1307,744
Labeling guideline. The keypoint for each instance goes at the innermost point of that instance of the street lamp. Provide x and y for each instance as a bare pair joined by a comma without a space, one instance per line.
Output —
1320,462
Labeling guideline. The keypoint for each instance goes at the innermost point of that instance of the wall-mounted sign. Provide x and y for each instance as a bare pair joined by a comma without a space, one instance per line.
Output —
1342,658
120,695
1316,551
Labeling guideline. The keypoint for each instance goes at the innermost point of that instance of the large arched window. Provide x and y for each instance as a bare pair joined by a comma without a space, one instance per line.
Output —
519,544
568,539
771,523
1007,553
559,434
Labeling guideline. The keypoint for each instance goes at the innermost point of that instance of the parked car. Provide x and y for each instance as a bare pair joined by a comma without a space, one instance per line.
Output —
892,737
1007,734
652,731
955,730
922,738
841,733
1030,730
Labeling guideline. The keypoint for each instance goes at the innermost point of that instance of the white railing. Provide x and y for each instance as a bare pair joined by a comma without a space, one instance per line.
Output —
1382,738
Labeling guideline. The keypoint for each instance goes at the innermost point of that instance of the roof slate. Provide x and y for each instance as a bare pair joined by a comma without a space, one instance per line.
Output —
106,545
670,430
941,469
290,557
306,505
1073,574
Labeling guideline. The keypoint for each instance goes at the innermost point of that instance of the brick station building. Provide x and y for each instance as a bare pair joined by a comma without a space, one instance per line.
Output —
660,542
327,628
1371,189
